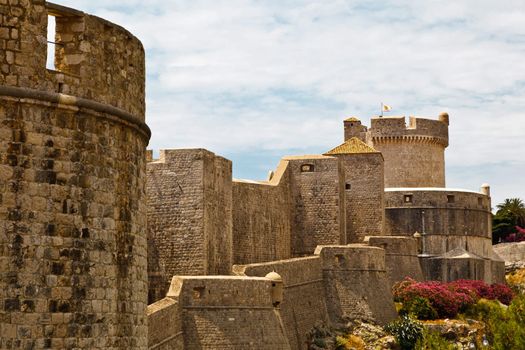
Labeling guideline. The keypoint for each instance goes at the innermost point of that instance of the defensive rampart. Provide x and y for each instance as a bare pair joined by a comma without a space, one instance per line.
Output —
72,182
450,218
415,153
262,218
303,305
189,216
218,312
356,283
401,257
317,186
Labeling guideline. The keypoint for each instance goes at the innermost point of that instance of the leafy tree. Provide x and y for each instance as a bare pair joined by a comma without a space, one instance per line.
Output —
511,213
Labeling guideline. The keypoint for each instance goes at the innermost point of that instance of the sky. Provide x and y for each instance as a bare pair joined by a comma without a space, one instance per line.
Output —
255,80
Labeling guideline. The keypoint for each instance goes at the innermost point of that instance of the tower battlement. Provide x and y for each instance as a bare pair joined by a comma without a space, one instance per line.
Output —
414,152
395,129
94,59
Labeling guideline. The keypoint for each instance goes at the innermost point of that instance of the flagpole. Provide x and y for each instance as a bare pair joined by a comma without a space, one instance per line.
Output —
381,114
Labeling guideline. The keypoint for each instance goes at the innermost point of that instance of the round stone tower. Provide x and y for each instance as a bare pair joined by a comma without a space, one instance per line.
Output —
72,164
415,153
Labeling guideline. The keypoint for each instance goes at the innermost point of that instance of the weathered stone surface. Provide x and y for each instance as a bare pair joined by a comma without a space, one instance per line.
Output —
189,217
72,186
304,302
356,283
401,257
219,312
262,218
405,167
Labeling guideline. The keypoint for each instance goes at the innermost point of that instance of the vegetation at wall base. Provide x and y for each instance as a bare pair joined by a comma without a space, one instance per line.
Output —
432,299
407,331
509,221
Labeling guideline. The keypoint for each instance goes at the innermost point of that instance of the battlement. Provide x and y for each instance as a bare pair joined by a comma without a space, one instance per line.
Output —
352,257
94,59
418,129
223,291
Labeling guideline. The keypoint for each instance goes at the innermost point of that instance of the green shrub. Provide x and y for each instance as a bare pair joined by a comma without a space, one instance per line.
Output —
433,341
504,327
508,332
406,330
484,309
419,307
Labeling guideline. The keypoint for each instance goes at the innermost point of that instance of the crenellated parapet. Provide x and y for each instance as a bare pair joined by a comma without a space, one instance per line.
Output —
94,59
418,130
414,153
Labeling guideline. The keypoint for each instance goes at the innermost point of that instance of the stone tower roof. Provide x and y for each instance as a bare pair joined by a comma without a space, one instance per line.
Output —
351,146
352,119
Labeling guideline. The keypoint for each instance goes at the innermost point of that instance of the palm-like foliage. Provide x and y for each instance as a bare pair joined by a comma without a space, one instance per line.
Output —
514,208
511,213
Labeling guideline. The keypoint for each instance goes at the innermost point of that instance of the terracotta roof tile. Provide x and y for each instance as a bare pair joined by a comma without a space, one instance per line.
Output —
354,145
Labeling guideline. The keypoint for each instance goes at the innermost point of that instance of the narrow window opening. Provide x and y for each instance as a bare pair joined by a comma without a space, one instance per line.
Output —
339,259
407,198
451,198
51,43
348,186
198,292
480,201
307,168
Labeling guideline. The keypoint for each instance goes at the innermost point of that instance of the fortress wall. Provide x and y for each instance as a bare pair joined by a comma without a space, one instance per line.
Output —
401,257
354,128
96,59
228,312
452,218
318,203
165,325
261,218
396,127
72,193
356,283
303,303
189,203
364,174
414,154
406,167
218,213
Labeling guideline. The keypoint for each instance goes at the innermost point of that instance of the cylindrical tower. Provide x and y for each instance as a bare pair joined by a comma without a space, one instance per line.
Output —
414,154
72,164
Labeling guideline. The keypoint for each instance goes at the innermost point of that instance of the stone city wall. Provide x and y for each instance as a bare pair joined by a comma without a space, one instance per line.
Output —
317,185
415,154
303,305
94,59
453,218
262,218
356,283
225,312
189,216
364,195
401,257
72,183
165,325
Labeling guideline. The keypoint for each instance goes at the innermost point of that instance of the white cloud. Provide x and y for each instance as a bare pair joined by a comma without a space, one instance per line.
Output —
275,76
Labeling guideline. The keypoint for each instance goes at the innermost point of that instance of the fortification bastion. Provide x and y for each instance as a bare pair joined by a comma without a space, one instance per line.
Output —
72,182
224,263
397,142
